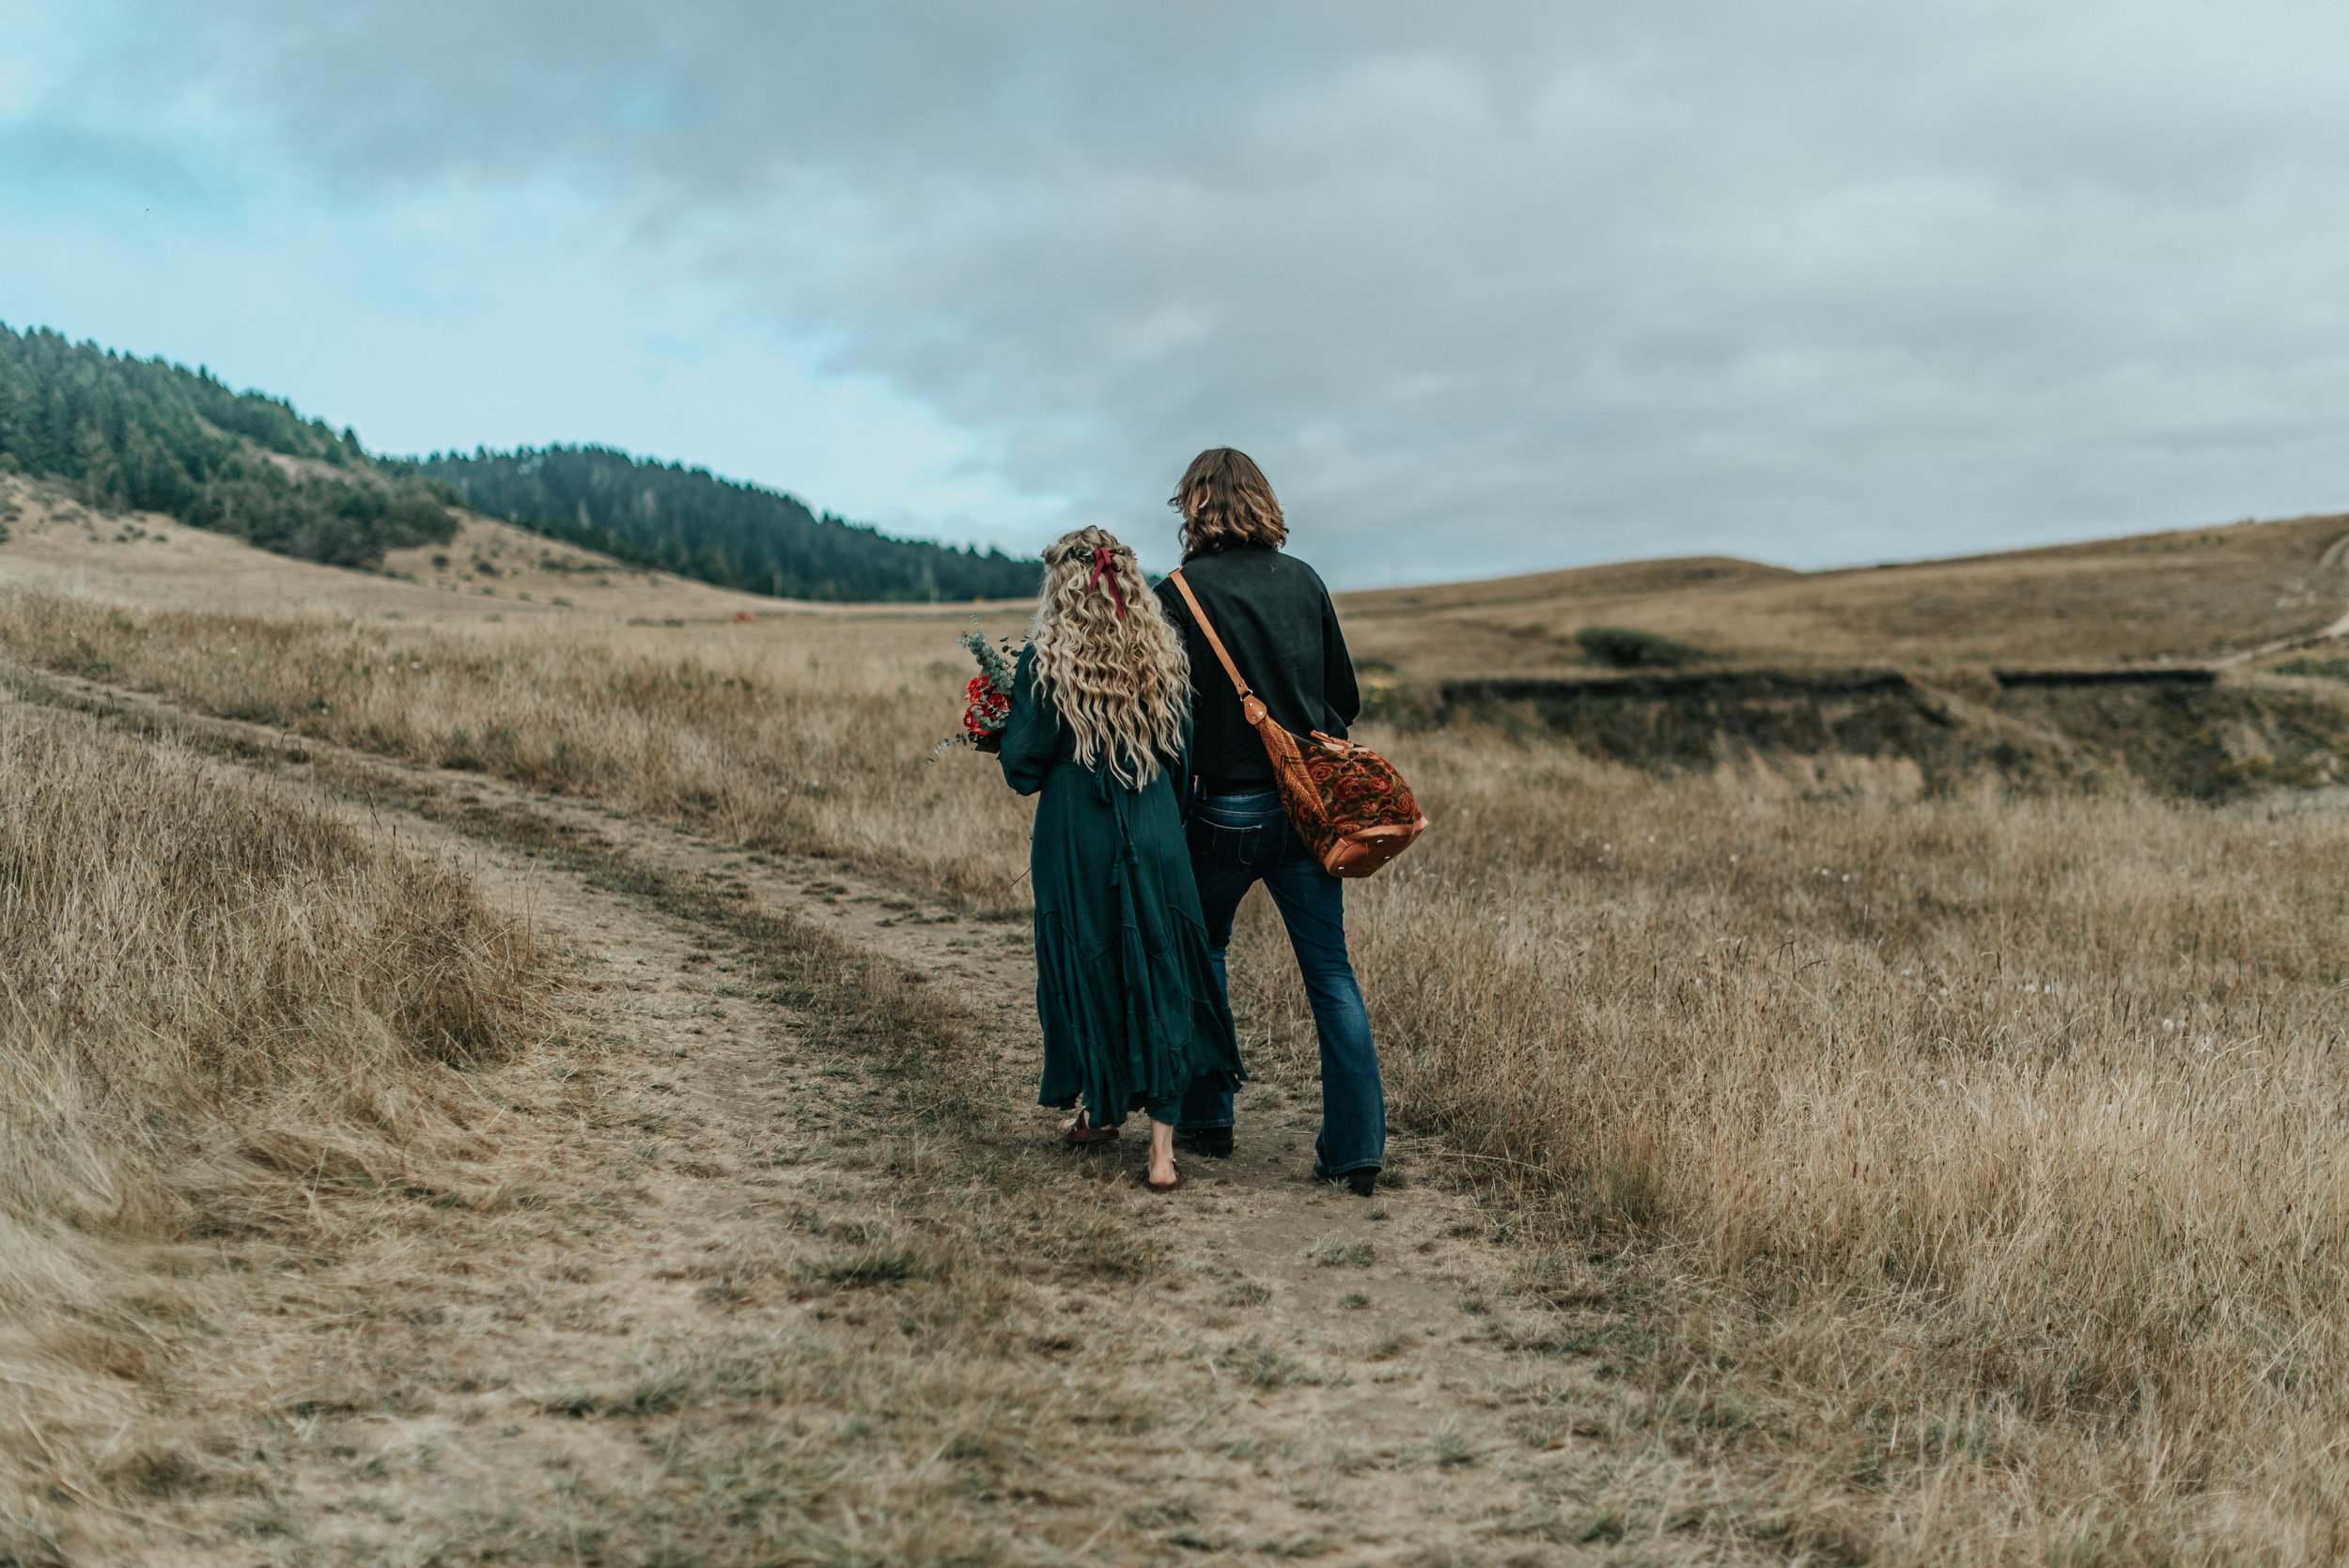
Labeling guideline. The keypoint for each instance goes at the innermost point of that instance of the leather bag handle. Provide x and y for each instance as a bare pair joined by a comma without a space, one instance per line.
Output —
1251,705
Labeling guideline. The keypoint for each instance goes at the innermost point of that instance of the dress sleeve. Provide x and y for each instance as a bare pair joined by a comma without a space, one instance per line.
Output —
1031,734
1338,687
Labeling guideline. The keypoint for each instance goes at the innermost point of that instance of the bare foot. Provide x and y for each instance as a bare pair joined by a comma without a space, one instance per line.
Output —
1164,1175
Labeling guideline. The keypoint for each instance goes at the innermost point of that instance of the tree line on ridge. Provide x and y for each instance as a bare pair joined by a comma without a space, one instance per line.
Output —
127,434
689,522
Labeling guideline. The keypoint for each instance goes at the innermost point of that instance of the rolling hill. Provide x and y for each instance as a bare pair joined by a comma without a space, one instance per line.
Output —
133,435
118,434
2188,594
2167,658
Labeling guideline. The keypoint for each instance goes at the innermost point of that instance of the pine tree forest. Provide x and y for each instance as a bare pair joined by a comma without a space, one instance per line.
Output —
687,522
128,434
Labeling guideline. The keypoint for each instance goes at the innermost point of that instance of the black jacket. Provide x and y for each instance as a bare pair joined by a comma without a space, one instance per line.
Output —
1276,619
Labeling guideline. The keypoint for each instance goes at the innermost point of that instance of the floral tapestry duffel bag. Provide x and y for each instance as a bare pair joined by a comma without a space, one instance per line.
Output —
1346,802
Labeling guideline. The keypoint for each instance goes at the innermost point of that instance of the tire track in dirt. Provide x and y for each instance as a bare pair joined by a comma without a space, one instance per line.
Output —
1277,1368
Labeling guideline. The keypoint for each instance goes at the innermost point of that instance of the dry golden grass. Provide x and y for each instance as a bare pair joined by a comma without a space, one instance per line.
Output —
214,1005
806,1287
1982,1157
2188,594
490,574
795,734
1969,1165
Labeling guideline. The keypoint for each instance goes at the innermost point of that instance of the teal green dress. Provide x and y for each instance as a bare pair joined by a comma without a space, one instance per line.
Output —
1131,1008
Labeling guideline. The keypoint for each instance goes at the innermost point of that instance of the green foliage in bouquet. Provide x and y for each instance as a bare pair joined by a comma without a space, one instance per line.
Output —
995,663
986,697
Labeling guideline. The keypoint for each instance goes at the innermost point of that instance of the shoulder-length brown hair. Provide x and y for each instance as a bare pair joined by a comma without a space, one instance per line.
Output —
1226,502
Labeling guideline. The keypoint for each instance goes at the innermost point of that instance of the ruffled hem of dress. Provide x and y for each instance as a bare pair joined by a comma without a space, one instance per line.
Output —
1105,1018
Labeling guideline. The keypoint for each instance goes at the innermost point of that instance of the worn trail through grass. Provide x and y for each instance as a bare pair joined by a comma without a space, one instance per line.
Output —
778,1262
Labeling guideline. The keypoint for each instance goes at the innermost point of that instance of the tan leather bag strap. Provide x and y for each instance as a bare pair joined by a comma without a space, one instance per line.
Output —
1213,641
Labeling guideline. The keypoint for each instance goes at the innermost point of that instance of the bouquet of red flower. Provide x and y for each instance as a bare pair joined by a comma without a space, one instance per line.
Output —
986,700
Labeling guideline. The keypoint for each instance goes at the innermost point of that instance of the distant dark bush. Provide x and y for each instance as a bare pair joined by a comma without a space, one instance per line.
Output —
2330,669
1629,649
339,522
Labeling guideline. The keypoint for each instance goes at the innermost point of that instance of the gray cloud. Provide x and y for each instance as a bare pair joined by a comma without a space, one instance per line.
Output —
1486,287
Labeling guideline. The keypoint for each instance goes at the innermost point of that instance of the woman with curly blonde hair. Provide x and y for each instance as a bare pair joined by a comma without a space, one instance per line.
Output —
1100,724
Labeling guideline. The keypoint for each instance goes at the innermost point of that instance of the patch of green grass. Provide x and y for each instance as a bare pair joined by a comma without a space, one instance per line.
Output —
1603,1529
578,1403
1345,1255
1104,1246
1265,1367
652,1397
871,1266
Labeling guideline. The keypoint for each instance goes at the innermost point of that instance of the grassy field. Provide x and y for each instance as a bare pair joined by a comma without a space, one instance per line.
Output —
795,733
2004,1136
216,1006
1969,1164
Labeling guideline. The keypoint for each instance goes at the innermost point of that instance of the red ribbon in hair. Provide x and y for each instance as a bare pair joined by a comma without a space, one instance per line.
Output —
1105,564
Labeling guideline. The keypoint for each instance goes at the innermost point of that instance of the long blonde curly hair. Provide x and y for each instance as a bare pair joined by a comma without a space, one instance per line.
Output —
1122,681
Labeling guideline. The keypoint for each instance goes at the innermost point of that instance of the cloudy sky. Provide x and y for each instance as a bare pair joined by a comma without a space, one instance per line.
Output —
1488,287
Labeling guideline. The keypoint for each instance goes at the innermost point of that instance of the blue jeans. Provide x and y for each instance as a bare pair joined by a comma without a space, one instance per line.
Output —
1236,840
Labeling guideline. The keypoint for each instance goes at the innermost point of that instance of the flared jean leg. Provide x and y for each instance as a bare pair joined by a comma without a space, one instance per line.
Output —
1206,1107
1235,843
1353,1100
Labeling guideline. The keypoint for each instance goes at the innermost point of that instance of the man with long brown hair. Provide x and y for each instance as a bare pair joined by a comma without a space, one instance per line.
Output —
1276,622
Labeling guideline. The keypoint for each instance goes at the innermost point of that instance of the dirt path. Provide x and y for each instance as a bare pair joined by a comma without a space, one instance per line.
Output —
746,1283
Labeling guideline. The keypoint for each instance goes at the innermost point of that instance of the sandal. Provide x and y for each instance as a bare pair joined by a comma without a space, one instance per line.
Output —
1078,1132
1169,1187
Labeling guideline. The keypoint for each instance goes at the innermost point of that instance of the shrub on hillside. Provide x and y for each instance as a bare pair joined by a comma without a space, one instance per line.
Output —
1626,648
